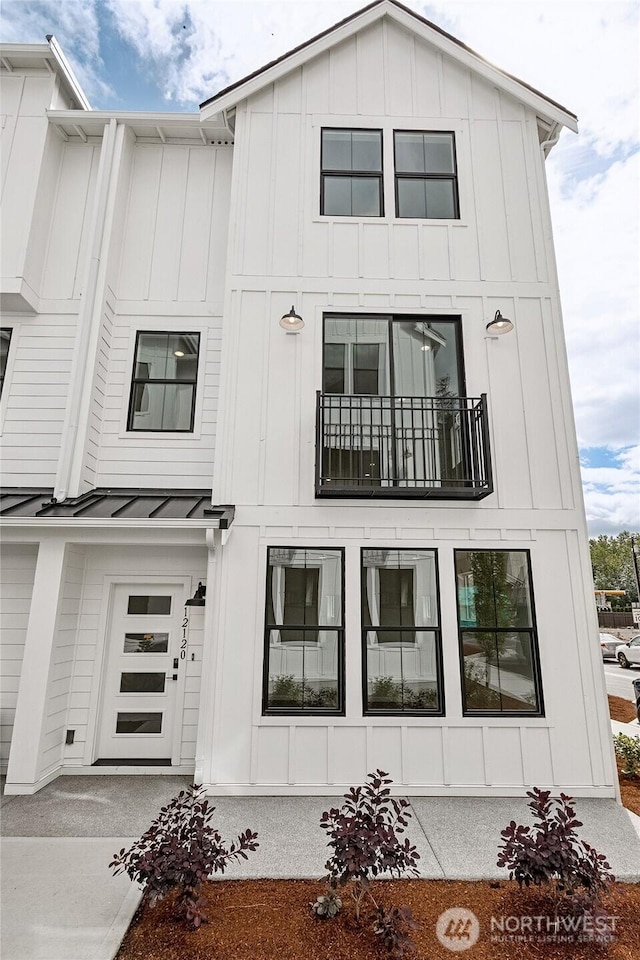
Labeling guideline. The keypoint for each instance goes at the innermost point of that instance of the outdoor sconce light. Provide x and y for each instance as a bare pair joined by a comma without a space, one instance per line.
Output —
499,325
292,322
198,599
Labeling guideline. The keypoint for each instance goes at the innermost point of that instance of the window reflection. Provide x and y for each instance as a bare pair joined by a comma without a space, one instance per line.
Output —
303,629
402,661
495,615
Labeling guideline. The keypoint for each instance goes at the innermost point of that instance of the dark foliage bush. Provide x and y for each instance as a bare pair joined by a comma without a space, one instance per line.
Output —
363,837
392,926
180,850
551,853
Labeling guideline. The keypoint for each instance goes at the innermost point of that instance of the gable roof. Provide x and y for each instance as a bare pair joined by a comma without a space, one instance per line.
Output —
270,72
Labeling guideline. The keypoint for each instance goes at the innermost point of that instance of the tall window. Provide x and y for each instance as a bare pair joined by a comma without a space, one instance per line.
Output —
401,632
498,644
304,631
5,340
163,387
426,181
351,177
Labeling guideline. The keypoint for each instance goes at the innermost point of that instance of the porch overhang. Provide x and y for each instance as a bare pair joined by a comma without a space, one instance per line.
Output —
150,508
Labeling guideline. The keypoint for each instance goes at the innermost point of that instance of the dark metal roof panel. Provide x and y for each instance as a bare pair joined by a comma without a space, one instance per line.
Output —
103,504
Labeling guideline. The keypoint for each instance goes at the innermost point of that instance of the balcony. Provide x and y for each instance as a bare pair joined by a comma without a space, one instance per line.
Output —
402,447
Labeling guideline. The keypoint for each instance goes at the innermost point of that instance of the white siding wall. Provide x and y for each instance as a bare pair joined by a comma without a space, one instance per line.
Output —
24,100
17,569
62,663
90,657
464,755
171,277
493,257
498,255
34,397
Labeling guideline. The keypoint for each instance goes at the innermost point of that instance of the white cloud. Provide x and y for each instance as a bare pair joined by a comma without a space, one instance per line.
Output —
76,28
612,495
195,48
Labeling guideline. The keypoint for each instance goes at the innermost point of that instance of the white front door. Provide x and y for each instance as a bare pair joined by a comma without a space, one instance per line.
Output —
142,673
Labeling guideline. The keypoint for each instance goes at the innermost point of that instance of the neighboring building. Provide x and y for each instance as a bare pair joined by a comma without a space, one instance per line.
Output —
385,507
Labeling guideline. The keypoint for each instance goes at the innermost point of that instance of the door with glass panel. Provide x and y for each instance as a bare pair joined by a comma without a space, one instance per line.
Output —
141,676
392,404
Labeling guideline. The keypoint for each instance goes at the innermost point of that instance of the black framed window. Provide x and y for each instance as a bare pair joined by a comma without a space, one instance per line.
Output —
351,173
304,631
5,341
425,175
401,642
163,386
497,633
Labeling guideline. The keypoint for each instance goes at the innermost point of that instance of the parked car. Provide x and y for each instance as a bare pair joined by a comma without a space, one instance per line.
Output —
609,645
629,653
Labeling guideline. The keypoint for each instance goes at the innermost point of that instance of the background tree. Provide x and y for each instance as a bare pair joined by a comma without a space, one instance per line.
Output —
612,563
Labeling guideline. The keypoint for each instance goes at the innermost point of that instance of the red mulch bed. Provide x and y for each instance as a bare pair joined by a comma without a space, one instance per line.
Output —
621,710
271,920
624,711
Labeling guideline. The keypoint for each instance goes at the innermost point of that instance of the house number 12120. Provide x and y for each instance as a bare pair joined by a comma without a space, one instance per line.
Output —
183,641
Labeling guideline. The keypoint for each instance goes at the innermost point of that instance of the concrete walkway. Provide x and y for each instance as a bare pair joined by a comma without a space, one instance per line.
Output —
61,902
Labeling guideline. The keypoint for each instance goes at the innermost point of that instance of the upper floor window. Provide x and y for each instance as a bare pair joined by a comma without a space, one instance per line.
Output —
351,178
163,387
393,356
426,181
498,645
304,631
401,632
5,340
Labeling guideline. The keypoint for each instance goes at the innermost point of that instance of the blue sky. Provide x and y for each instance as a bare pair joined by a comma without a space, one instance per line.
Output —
169,55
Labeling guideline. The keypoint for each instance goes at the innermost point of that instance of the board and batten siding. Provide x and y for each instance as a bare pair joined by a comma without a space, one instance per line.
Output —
23,138
175,234
169,277
128,562
17,570
495,256
386,79
456,754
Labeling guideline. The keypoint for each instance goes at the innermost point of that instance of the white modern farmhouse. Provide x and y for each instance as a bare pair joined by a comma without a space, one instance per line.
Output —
290,480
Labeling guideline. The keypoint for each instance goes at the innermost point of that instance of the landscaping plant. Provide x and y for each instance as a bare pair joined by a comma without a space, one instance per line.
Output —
180,850
363,837
551,854
628,750
392,926
328,905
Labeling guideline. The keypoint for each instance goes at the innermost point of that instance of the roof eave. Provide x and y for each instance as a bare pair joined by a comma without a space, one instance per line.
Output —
254,82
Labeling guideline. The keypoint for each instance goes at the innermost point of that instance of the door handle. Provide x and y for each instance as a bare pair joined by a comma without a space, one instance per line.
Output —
173,676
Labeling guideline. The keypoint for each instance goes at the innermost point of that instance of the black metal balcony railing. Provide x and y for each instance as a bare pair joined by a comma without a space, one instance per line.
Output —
370,446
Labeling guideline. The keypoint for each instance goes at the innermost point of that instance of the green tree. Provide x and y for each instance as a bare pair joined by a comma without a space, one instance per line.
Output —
612,563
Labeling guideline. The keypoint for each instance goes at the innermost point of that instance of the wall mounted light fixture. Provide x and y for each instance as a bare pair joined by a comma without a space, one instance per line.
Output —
292,322
499,325
198,599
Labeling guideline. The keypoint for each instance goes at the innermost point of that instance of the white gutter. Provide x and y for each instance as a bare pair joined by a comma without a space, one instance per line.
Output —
554,135
67,73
